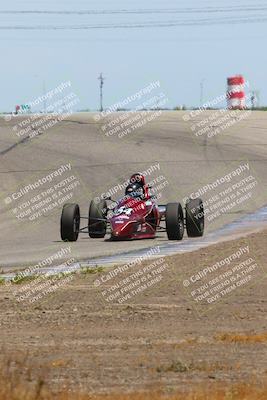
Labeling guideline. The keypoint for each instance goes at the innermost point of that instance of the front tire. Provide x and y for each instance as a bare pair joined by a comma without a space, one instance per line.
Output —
70,222
194,218
97,210
174,221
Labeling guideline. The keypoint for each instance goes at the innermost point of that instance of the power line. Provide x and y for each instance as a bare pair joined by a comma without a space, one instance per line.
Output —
148,24
202,10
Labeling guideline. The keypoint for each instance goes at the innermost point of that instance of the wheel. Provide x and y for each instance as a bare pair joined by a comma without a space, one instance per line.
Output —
70,222
97,229
174,221
194,212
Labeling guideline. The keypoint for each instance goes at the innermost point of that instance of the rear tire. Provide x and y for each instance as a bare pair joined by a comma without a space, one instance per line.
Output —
97,229
70,222
174,221
194,218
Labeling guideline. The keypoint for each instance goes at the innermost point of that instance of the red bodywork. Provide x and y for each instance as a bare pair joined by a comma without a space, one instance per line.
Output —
134,219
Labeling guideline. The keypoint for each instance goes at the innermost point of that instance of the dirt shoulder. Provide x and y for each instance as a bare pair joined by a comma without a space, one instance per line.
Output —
161,333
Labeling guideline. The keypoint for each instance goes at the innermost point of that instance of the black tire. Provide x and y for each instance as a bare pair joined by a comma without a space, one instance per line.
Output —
174,221
97,229
194,215
70,222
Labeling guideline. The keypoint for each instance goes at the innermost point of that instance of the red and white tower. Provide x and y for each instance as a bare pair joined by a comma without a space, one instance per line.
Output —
236,97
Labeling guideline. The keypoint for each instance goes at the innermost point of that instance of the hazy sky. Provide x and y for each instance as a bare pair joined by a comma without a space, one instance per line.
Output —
178,56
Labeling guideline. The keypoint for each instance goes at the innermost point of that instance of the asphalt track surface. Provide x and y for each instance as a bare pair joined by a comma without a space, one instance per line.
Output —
168,144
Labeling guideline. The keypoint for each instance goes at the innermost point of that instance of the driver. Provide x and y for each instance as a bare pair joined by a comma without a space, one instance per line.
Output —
139,178
135,191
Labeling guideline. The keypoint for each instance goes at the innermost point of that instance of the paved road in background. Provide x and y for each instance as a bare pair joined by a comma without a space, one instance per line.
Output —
181,158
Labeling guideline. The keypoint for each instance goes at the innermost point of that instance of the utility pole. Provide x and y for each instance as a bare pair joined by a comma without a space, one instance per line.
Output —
254,98
202,92
101,79
44,94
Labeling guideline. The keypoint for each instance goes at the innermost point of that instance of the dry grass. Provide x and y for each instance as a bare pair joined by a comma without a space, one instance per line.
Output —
242,338
203,366
218,392
17,382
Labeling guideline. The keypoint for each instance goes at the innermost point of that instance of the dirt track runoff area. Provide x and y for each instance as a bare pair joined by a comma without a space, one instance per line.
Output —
161,337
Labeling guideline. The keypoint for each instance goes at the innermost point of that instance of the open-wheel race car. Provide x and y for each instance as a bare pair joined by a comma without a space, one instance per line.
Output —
135,216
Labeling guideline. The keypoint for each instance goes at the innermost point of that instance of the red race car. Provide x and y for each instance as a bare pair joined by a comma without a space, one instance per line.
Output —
136,216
